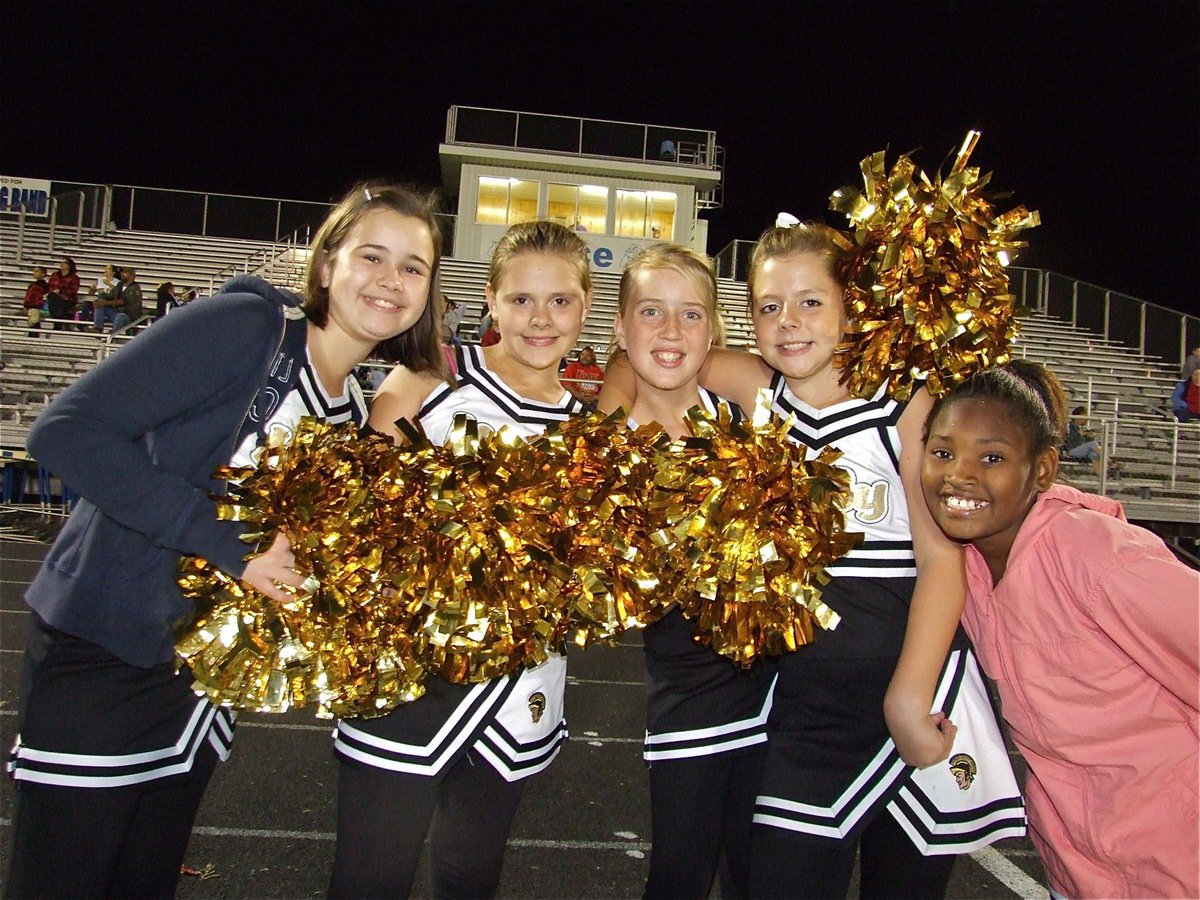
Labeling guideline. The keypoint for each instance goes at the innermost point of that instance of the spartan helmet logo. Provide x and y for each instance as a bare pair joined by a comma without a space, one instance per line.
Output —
537,706
964,769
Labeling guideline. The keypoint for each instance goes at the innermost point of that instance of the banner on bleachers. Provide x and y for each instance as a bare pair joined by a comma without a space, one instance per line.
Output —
31,193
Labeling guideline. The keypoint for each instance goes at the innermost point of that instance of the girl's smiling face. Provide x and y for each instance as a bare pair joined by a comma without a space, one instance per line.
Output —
798,313
378,278
666,329
979,476
538,307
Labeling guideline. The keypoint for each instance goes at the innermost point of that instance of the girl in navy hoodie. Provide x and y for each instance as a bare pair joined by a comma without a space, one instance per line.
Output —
114,749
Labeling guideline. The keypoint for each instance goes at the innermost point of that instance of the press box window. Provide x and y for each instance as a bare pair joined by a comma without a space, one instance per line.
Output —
640,213
582,205
506,201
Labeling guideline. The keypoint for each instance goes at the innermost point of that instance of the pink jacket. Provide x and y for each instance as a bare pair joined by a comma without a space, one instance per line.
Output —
1092,637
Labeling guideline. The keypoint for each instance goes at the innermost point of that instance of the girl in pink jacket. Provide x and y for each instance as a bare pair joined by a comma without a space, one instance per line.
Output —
1089,626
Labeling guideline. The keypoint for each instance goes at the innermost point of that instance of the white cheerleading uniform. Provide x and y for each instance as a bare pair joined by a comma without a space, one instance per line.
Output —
697,702
306,398
517,723
163,725
827,781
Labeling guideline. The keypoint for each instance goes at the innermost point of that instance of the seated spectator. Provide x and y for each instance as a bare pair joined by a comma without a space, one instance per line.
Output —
1081,443
1192,363
104,286
35,299
485,321
64,291
1185,401
106,302
583,378
165,299
129,292
490,336
451,319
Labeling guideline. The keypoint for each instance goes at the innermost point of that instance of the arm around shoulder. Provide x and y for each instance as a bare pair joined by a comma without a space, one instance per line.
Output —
937,604
737,375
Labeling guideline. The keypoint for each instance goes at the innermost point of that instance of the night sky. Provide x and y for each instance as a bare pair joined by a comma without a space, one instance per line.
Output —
1090,112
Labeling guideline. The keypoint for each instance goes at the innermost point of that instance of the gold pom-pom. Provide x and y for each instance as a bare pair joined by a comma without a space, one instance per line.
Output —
927,290
476,559
606,475
749,525
488,590
332,644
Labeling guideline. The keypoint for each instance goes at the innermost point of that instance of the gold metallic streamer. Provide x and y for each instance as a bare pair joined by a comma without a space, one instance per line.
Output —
752,524
927,290
476,559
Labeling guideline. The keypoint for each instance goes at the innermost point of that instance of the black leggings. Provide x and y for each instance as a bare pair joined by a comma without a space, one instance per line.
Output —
104,842
890,865
701,809
383,817
85,841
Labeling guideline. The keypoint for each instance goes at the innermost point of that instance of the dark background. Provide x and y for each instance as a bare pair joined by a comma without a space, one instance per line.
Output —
1089,111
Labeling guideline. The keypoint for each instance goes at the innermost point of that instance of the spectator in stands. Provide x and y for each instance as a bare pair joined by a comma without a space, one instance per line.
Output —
104,285
107,303
1192,363
64,291
165,299
485,321
35,299
1185,401
490,336
130,294
451,319
583,378
114,748
1081,444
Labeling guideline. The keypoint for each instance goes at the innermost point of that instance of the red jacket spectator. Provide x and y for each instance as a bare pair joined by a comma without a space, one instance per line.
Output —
64,290
35,294
66,285
490,336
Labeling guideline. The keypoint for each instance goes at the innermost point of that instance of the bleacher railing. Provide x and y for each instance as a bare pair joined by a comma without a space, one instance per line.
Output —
75,206
733,260
605,138
1155,330
282,224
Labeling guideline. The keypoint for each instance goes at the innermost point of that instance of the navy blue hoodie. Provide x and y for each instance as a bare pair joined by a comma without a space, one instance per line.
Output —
138,437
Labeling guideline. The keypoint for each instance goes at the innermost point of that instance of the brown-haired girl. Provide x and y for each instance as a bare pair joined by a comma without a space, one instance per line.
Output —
114,749
833,776
454,763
